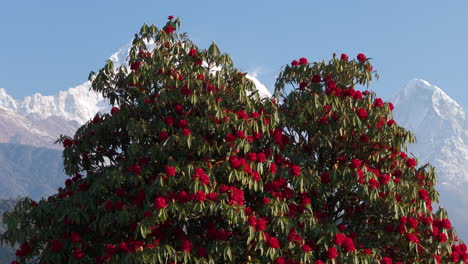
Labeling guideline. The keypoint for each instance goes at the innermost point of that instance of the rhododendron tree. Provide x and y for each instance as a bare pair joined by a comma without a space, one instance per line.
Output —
192,166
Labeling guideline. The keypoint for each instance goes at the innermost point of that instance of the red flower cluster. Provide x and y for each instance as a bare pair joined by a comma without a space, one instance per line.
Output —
160,202
361,57
362,113
201,176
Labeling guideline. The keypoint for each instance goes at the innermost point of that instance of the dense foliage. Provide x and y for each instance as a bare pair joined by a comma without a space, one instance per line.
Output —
192,166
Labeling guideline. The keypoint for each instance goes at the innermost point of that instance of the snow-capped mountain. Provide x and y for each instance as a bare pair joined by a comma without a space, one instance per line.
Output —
38,120
441,129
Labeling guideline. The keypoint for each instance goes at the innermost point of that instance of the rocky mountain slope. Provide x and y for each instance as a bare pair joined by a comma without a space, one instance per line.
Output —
29,171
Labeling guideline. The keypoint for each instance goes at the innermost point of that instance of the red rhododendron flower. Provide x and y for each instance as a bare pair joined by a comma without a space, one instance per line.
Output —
123,247
374,184
169,29
378,102
67,143
411,163
78,254
182,123
355,163
110,249
186,132
169,120
212,196
186,246
24,250
261,224
362,113
273,242
446,224
325,178
348,245
386,260
344,57
251,156
280,260
160,202
252,220
455,256
114,110
412,238
183,197
240,134
295,171
361,57
163,135
332,253
135,169
170,171
75,237
295,63
135,65
261,157
192,53
339,239
316,78
384,179
200,196
423,194
303,61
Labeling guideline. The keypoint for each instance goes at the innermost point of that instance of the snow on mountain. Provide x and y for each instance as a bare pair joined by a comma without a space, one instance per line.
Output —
441,129
38,120
78,104
6,101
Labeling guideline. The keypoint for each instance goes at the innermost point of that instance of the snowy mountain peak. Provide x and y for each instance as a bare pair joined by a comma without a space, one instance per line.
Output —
440,126
421,100
6,101
120,57
422,90
75,104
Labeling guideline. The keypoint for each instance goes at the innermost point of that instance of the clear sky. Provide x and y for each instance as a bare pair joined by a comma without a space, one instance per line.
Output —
47,46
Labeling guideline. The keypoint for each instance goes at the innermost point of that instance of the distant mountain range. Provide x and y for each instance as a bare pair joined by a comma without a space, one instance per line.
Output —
38,120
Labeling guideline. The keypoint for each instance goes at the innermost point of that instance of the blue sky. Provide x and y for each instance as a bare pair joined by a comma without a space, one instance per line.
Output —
47,46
